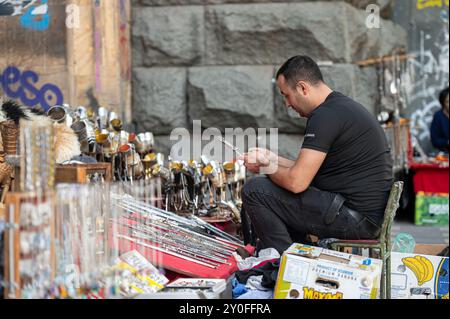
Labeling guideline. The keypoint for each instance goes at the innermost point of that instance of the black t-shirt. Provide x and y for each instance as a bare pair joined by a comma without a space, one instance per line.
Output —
358,164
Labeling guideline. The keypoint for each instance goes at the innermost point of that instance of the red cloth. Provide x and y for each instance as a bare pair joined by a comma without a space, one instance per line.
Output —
430,178
183,267
172,263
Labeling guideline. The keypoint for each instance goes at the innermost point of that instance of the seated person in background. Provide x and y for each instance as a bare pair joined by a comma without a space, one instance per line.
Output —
440,125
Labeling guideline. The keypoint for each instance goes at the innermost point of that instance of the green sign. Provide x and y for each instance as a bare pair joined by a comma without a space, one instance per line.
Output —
432,209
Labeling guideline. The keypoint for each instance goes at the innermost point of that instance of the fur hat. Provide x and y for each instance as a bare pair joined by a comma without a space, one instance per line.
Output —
67,145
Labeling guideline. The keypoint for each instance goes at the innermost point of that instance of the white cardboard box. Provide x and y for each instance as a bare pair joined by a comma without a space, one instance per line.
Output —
419,276
308,272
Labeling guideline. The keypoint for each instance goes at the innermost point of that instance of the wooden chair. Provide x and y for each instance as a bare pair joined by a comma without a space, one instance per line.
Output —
383,244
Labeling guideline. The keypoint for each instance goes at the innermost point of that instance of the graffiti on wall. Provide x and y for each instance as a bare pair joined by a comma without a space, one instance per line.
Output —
427,74
13,7
24,86
37,16
34,14
425,4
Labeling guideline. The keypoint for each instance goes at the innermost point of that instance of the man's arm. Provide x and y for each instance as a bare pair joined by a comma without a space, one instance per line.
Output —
284,162
260,157
299,177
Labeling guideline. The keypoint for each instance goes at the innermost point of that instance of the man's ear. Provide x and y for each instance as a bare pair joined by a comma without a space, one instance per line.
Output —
302,87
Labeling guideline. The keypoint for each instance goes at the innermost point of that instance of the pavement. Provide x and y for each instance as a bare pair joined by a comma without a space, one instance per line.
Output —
421,234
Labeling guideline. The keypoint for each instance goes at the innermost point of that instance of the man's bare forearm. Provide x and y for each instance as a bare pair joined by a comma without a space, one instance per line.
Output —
282,177
284,162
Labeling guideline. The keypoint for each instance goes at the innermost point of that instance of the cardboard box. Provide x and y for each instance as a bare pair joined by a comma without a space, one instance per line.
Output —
193,288
308,272
431,209
423,277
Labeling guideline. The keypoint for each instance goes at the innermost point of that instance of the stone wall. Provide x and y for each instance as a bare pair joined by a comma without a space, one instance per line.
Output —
427,25
215,60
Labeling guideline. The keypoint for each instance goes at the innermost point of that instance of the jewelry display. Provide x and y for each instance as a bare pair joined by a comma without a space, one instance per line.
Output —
30,259
36,156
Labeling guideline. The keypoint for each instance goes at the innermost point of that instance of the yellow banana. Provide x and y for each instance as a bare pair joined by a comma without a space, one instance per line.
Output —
416,267
429,269
422,270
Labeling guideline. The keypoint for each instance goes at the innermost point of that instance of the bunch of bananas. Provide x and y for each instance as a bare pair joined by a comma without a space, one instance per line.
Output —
421,267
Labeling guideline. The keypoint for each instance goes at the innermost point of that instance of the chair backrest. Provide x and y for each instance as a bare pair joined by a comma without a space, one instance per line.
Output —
390,211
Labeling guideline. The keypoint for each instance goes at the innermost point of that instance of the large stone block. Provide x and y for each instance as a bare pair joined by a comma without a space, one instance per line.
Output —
392,36
358,83
249,1
384,5
341,78
137,59
360,4
368,43
159,99
239,96
169,35
271,33
163,144
366,89
166,2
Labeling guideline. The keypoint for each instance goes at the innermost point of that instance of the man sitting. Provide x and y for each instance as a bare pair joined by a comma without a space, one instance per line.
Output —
339,185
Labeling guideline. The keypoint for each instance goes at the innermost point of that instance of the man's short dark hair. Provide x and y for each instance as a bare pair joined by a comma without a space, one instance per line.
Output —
301,68
442,96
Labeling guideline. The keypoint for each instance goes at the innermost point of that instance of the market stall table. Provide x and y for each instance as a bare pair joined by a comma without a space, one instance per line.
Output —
431,189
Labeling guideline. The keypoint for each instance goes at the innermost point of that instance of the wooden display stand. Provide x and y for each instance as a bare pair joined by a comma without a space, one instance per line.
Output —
73,174
81,173
13,256
83,53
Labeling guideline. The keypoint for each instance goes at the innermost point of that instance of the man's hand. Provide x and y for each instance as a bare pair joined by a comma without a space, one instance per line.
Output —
258,158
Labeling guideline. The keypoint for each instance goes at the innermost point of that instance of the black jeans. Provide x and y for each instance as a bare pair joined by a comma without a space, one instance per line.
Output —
280,217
